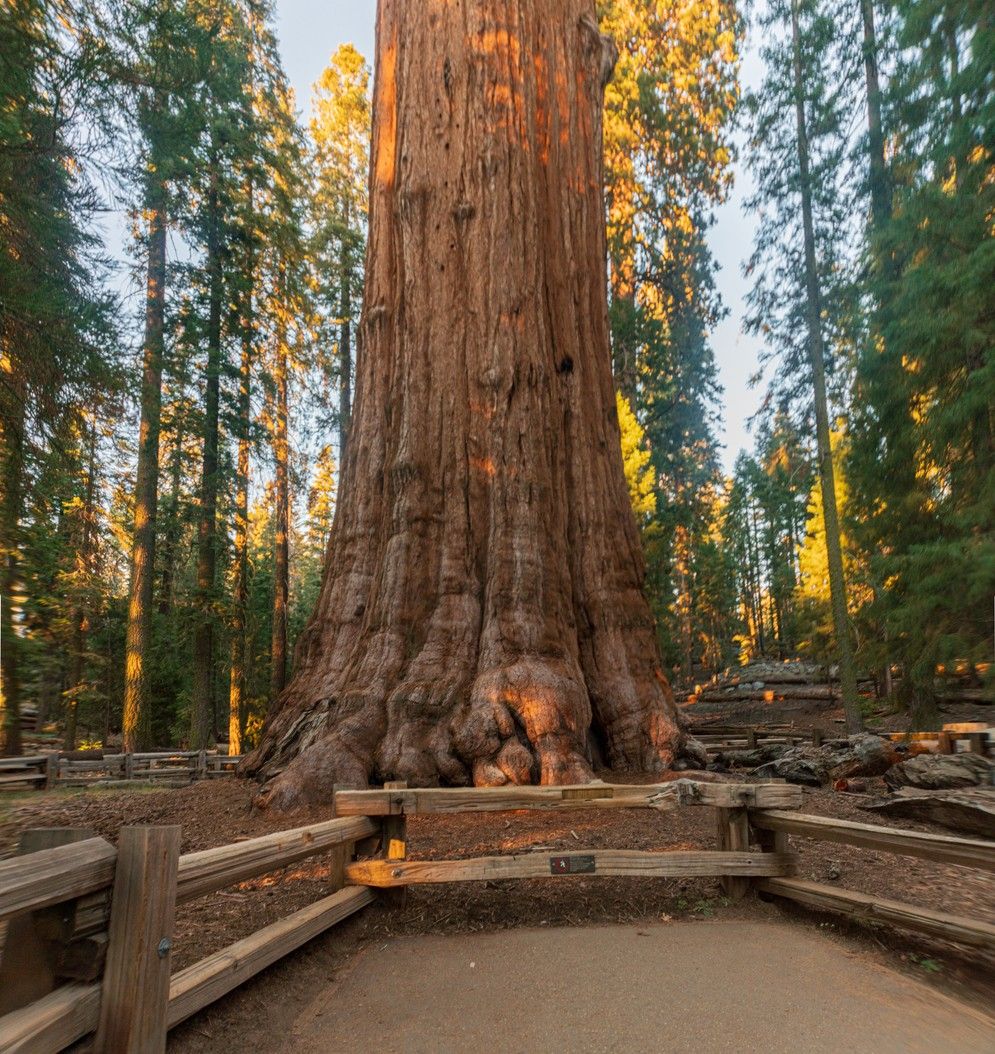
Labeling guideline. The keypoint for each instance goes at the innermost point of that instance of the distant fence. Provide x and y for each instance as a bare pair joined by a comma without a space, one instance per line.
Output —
44,771
90,927
950,740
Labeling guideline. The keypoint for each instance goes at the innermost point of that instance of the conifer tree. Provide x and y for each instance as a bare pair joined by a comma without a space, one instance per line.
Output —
798,144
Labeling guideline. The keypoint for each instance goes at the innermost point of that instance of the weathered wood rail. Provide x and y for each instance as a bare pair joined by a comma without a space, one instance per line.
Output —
45,771
130,1000
148,878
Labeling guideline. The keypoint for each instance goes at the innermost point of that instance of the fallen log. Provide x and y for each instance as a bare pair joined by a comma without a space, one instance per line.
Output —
969,809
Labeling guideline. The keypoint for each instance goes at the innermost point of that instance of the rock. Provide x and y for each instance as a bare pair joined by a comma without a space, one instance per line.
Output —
941,772
694,755
796,768
970,810
863,755
749,759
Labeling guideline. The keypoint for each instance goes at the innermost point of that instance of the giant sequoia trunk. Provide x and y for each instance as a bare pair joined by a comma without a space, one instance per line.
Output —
482,617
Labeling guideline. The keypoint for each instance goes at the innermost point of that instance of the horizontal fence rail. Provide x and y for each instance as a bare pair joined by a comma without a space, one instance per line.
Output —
607,862
424,800
941,848
212,869
864,907
51,876
199,985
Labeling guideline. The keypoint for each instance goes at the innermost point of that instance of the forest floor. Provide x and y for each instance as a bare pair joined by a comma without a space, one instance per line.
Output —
220,812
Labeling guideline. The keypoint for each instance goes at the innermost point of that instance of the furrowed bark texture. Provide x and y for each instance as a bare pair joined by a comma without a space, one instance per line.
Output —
482,617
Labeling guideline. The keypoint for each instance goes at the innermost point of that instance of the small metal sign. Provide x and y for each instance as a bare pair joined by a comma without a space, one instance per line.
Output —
571,865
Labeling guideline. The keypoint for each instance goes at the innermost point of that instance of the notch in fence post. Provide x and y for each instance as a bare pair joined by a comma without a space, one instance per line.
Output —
733,837
395,843
135,995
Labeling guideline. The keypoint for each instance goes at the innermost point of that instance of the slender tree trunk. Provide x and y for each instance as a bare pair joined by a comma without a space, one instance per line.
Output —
240,554
203,657
880,195
756,571
345,341
837,580
171,519
81,621
281,556
482,617
12,426
137,722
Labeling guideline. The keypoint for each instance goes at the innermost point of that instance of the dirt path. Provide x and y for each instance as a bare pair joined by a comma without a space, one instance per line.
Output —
674,988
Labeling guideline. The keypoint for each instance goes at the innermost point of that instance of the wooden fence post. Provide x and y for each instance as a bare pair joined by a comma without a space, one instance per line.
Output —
733,836
202,765
51,770
978,743
129,766
395,842
135,996
29,963
816,737
771,842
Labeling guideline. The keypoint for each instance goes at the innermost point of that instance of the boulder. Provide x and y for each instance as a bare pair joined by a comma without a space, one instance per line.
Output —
941,772
969,810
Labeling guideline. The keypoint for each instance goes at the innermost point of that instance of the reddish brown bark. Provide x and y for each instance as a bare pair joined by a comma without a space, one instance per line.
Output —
482,617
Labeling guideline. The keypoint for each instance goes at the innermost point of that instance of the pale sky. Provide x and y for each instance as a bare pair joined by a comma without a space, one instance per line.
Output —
310,30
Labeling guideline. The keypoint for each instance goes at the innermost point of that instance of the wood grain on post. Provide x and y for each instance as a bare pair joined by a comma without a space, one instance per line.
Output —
945,743
733,836
395,842
135,996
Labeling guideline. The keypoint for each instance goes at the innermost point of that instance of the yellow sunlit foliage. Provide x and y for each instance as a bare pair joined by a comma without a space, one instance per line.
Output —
665,121
813,575
639,472
340,125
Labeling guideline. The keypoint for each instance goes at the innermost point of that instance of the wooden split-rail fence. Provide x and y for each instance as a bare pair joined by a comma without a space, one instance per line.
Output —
90,926
45,771
952,739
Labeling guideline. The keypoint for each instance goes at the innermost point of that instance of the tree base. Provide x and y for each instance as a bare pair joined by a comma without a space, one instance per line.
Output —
527,724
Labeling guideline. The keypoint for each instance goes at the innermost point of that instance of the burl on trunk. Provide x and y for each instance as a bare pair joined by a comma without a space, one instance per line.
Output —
482,617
